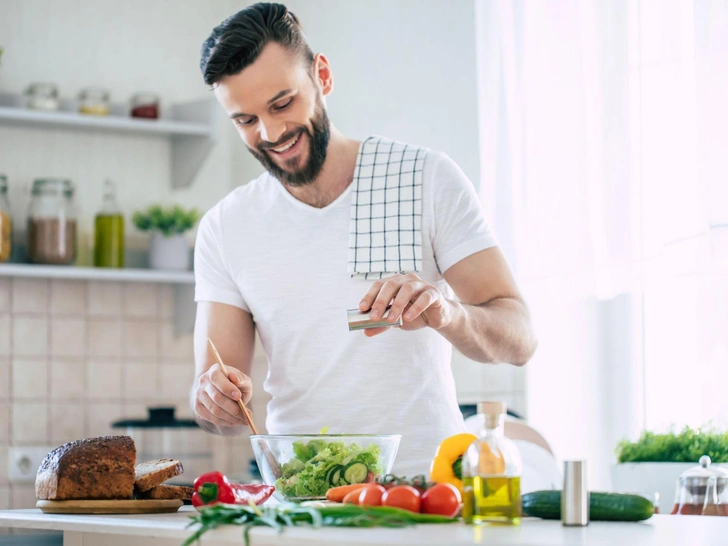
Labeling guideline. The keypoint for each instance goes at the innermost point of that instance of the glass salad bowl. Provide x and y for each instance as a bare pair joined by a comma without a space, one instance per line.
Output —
305,466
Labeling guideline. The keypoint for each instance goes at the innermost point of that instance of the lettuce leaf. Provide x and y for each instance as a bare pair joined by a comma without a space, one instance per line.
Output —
306,475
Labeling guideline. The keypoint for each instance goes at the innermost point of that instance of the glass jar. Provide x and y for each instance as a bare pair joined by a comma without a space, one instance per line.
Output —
6,222
94,101
491,470
145,105
702,490
52,222
42,96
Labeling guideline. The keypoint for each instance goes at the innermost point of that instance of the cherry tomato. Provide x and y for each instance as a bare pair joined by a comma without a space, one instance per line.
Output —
352,497
402,496
371,495
443,499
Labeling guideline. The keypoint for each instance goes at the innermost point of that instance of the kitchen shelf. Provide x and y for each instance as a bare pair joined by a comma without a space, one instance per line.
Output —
190,127
96,273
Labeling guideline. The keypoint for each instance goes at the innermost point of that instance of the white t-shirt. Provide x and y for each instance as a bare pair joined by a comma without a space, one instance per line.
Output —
285,262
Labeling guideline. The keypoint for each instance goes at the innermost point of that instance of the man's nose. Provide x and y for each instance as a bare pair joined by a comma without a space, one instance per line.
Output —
271,130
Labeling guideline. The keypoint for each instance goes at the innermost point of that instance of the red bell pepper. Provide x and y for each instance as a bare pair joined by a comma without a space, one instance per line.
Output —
214,487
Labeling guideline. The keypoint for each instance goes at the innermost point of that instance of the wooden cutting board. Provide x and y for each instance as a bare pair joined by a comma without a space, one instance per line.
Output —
109,506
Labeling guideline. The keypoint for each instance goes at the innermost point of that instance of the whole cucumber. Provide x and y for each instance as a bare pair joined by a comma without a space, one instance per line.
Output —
602,506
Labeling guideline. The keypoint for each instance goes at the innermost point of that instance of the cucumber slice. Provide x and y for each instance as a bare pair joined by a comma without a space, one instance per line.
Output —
332,476
356,473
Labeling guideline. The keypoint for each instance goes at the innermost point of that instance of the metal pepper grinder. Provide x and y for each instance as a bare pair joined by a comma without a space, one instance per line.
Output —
575,495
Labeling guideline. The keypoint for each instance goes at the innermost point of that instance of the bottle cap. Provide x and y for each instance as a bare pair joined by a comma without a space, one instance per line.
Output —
490,408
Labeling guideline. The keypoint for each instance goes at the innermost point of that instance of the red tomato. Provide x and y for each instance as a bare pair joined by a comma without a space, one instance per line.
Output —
443,499
371,495
402,496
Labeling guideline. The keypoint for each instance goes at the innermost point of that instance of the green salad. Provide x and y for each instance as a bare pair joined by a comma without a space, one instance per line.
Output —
319,465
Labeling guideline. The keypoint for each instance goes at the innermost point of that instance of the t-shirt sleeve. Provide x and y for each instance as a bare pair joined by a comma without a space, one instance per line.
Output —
213,281
460,226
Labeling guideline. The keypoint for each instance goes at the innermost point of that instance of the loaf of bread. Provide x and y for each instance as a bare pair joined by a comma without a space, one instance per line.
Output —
161,492
153,473
94,468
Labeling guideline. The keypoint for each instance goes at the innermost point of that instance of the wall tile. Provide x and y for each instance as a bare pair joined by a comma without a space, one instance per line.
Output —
103,299
175,380
139,339
104,379
3,466
497,378
68,297
4,424
68,337
103,337
30,336
68,379
5,334
166,301
30,295
140,380
99,418
4,378
67,423
30,378
22,496
30,423
4,295
140,300
177,346
4,498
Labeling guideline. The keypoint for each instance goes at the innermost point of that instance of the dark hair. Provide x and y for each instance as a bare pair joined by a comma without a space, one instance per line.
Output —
237,42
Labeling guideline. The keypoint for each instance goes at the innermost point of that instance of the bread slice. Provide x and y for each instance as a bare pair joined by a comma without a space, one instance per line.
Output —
163,492
153,473
94,468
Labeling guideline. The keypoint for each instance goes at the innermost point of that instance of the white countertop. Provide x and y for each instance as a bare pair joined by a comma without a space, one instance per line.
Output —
661,530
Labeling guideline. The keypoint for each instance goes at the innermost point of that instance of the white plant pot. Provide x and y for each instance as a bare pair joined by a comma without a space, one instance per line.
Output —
170,253
649,478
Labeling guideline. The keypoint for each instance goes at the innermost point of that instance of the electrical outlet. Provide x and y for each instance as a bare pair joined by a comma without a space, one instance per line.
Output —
23,463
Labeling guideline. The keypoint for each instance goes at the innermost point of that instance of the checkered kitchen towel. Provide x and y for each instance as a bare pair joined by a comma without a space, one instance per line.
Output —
386,209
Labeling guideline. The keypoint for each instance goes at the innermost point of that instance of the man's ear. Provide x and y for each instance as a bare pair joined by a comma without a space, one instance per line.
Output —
322,74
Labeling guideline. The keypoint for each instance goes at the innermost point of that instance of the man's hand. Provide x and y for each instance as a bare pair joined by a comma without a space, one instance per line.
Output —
419,303
216,396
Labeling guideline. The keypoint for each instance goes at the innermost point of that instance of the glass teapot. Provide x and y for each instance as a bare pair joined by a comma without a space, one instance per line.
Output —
702,490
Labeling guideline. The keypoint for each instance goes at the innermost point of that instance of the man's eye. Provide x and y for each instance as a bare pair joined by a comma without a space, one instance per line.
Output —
248,121
283,106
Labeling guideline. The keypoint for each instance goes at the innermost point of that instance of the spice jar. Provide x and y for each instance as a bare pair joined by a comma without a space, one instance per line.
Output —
145,105
6,221
702,490
52,222
42,96
94,101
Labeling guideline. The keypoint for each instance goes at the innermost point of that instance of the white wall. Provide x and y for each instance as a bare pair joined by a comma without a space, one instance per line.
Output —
125,47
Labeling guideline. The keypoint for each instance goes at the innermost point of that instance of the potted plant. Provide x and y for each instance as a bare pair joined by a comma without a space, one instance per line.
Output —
168,247
654,462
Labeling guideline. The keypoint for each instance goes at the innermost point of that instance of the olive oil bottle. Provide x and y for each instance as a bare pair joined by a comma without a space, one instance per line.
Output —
109,231
492,470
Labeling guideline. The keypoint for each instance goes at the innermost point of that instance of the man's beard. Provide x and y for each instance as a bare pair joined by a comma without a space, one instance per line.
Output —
319,141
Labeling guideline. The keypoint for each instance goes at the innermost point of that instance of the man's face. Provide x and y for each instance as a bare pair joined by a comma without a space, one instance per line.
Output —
279,113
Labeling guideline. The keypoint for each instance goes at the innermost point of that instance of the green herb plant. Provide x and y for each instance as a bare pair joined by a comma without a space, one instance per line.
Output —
686,446
168,221
290,515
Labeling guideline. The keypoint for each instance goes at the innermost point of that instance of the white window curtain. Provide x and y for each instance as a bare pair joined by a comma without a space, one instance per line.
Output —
604,153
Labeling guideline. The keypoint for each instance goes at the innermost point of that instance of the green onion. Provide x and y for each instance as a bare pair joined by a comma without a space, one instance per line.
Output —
290,515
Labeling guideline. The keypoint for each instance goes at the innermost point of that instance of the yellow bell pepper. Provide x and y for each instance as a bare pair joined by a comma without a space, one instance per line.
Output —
446,467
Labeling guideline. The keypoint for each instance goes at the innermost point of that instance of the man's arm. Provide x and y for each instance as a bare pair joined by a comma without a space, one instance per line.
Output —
489,322
213,396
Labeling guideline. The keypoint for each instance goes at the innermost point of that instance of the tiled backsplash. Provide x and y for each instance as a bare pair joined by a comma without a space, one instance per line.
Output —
76,356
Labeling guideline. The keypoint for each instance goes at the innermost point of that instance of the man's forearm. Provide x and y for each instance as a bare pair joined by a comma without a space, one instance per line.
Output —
497,331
